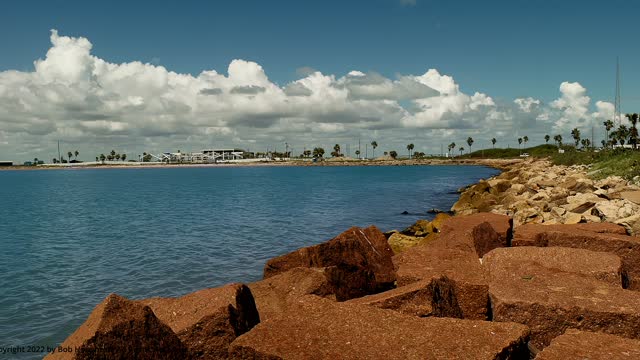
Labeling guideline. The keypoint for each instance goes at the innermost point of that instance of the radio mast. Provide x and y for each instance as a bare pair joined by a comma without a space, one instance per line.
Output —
617,117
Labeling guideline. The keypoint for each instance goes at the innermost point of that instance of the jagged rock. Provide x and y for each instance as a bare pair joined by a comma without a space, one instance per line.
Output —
602,237
119,328
572,218
273,296
208,320
321,329
358,262
616,209
527,216
549,301
574,344
631,224
479,233
582,207
420,228
558,211
460,267
633,196
414,299
400,242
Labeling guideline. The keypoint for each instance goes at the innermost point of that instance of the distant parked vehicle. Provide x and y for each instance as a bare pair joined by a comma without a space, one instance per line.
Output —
524,155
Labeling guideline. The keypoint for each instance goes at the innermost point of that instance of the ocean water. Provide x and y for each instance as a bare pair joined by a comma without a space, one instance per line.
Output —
70,237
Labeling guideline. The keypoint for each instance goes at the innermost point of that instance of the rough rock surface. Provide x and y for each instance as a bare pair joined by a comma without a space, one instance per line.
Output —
273,296
399,242
575,344
459,275
535,191
414,299
321,329
122,329
598,265
358,262
550,301
207,321
478,233
595,237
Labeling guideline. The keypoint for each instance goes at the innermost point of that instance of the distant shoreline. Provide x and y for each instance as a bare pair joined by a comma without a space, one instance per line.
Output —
495,163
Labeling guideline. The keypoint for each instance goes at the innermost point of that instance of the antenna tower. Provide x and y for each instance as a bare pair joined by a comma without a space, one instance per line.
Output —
617,117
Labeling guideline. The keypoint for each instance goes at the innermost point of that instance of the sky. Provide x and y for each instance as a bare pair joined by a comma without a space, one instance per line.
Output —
160,76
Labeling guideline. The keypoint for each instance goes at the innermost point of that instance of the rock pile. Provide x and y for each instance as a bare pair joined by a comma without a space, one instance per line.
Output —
538,192
480,290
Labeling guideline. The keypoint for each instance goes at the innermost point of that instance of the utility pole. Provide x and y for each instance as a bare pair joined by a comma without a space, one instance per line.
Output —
59,157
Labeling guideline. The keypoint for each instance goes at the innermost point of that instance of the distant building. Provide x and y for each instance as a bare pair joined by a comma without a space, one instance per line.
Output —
6,163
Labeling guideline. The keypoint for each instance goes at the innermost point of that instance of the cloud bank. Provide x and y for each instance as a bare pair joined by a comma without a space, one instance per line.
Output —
94,106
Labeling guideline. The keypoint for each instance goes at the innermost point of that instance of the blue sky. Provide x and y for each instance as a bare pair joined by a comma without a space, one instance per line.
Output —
505,49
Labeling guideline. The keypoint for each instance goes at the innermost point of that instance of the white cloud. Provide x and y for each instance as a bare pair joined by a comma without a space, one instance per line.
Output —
94,105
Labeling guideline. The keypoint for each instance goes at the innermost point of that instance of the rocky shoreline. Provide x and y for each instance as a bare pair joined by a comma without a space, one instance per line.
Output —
536,192
533,265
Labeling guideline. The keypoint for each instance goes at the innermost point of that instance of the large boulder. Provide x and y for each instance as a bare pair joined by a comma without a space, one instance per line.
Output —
478,233
601,237
357,262
574,344
119,328
321,329
440,271
207,321
549,301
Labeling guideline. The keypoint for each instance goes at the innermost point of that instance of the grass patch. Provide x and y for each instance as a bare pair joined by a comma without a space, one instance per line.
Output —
500,153
622,163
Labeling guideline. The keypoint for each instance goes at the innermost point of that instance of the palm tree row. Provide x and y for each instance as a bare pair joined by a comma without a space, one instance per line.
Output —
112,156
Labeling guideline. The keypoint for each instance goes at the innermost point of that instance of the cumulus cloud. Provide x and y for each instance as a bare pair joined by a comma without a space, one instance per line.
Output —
94,105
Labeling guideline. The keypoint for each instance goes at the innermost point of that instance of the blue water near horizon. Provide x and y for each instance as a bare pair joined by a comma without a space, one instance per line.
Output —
71,237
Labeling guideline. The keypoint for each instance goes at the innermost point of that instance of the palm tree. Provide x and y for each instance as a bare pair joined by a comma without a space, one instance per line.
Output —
470,142
118,157
336,151
76,153
608,125
575,134
393,154
410,147
493,142
546,138
451,147
318,152
123,157
102,157
358,153
633,132
113,154
558,139
519,143
604,143
35,161
374,145
461,150
526,140
96,159
69,154
623,134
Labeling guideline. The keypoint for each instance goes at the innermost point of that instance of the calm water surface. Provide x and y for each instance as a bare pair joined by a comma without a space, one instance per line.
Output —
70,237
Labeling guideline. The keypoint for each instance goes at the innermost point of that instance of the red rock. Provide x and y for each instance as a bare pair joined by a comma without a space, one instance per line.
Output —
122,329
413,299
597,265
207,321
358,262
479,233
596,237
458,274
274,295
550,301
588,345
322,329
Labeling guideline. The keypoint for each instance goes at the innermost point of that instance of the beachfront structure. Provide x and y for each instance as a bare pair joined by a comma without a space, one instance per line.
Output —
6,163
202,157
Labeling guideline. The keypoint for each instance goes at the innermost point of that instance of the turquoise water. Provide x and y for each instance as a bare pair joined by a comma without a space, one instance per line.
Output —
70,237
